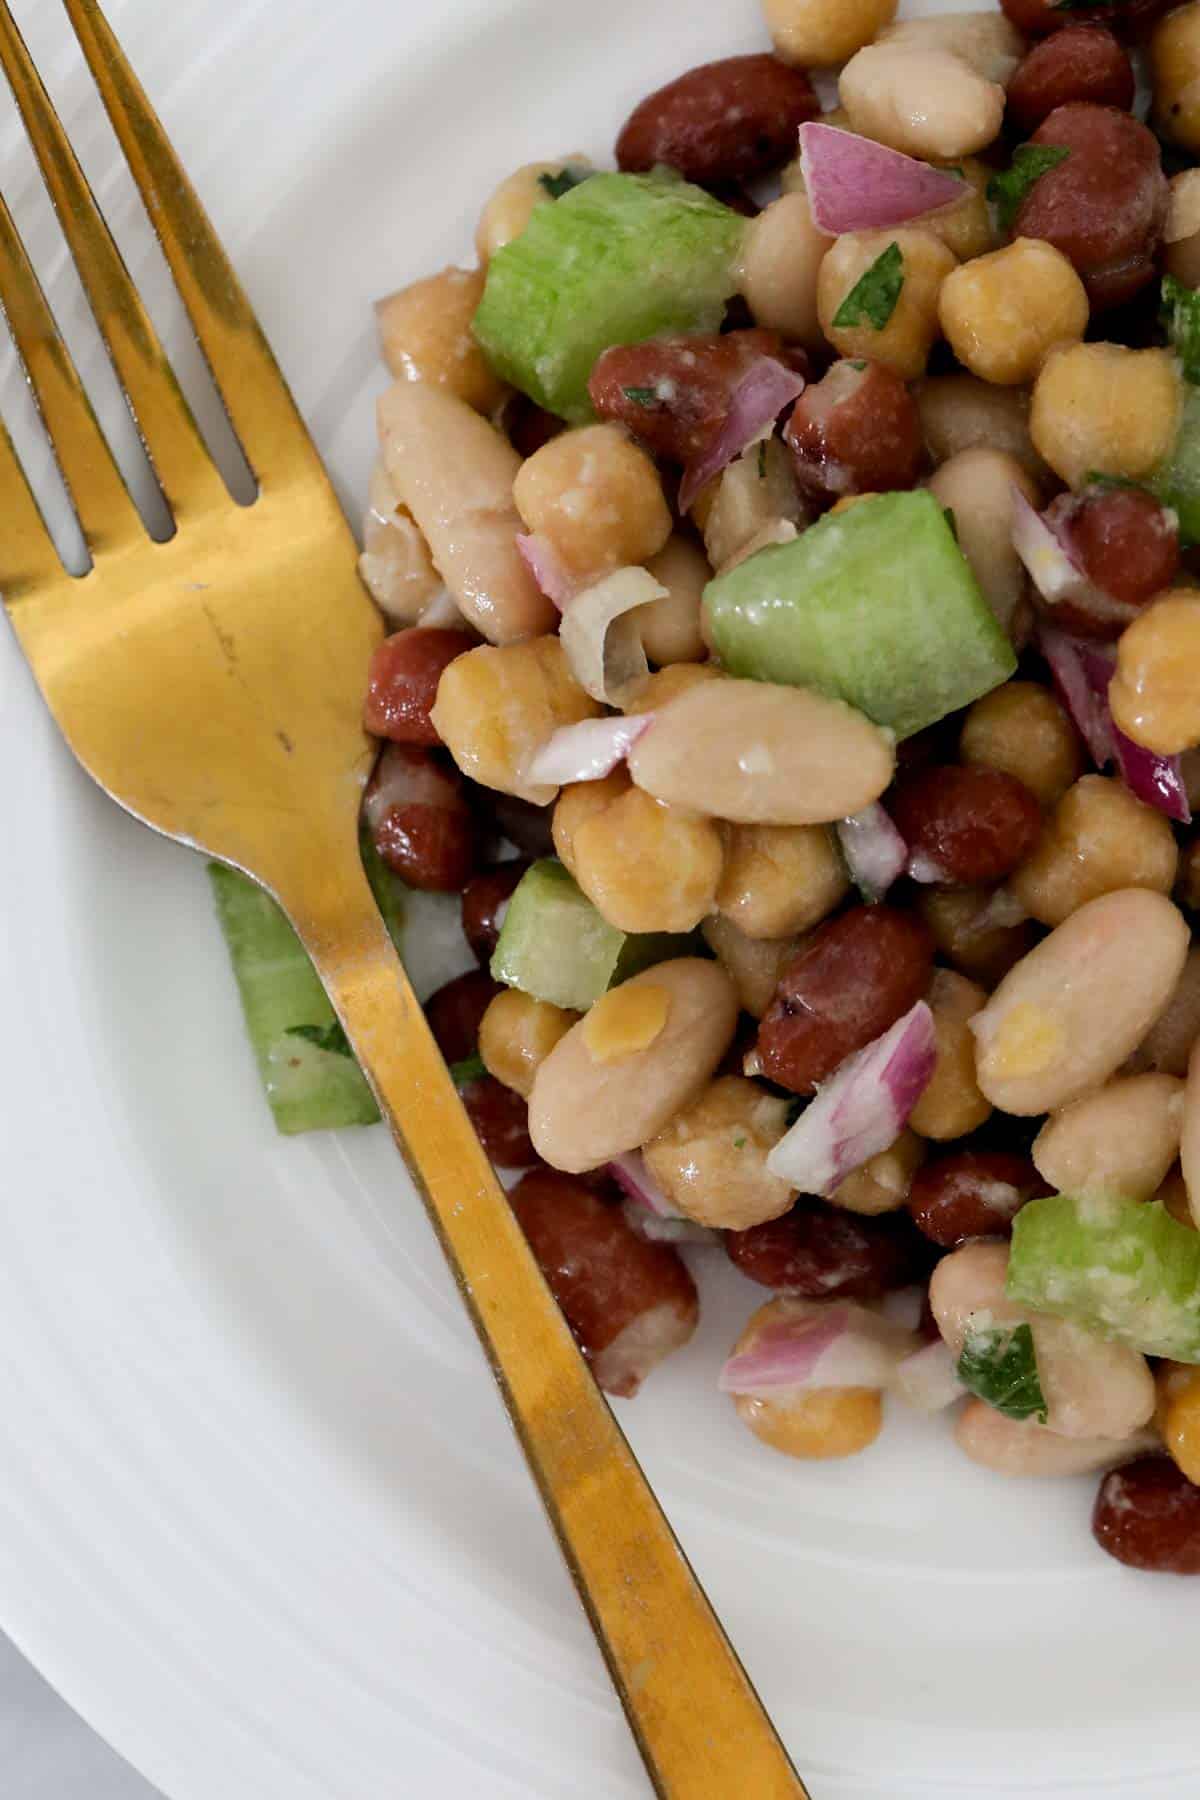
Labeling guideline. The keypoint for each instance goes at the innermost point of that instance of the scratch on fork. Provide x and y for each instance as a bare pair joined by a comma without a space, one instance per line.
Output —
227,642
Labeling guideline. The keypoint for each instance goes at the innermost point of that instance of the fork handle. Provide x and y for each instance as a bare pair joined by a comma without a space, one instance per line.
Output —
699,1724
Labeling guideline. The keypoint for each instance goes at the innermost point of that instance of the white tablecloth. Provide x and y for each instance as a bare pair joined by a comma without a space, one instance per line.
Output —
47,1752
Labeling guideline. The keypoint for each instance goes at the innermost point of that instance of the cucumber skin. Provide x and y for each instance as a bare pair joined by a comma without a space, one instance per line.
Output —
876,606
1177,482
1124,1268
618,259
307,1089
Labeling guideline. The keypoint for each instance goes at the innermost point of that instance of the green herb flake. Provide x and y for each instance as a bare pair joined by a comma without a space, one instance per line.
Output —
325,1037
739,1143
556,185
1181,316
1030,162
999,1365
642,396
951,521
872,299
470,1069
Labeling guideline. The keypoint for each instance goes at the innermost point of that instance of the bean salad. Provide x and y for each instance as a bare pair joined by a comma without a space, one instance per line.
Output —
790,540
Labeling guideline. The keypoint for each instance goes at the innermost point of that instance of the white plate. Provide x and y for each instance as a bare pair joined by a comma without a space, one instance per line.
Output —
261,1518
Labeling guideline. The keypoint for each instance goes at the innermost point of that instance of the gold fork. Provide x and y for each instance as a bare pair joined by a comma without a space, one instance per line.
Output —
213,686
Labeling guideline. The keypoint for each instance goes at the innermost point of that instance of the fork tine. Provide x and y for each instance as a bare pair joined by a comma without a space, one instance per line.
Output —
264,415
173,442
102,503
28,559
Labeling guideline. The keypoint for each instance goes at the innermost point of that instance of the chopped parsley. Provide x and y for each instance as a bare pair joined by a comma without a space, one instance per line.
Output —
556,185
470,1069
642,396
1181,315
739,1143
325,1037
1030,162
872,299
999,1365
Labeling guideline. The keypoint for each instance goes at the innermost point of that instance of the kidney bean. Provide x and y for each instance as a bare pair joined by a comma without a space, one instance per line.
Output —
1105,204
628,1302
965,826
673,393
726,121
528,426
856,431
1126,542
1147,1515
455,1011
853,978
1081,62
1037,18
501,1120
402,682
417,812
972,1193
482,901
824,1253
526,826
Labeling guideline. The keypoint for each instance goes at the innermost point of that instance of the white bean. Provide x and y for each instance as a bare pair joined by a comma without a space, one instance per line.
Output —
1025,1448
1189,1148
1122,1139
986,41
1070,1012
757,754
977,486
1092,1386
926,102
455,473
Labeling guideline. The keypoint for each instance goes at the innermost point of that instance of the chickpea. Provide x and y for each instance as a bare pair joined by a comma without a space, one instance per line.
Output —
1154,696
510,207
644,866
819,34
1102,409
1100,838
1022,729
670,626
517,1034
926,102
1175,75
1179,1415
1002,314
781,256
1181,233
966,227
498,704
425,335
977,486
596,497
780,879
754,965
754,493
958,919
904,342
952,1104
959,412
665,685
815,1423
882,1183
711,1160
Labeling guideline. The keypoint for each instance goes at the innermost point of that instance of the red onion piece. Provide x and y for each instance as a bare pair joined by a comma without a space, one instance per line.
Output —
635,1180
1052,568
875,852
862,1108
928,1379
656,1230
856,185
755,404
587,751
815,1344
1082,672
547,567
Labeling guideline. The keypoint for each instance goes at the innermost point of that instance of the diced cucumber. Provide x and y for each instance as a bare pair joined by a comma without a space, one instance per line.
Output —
1177,481
309,1088
1121,1267
876,605
617,259
555,945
